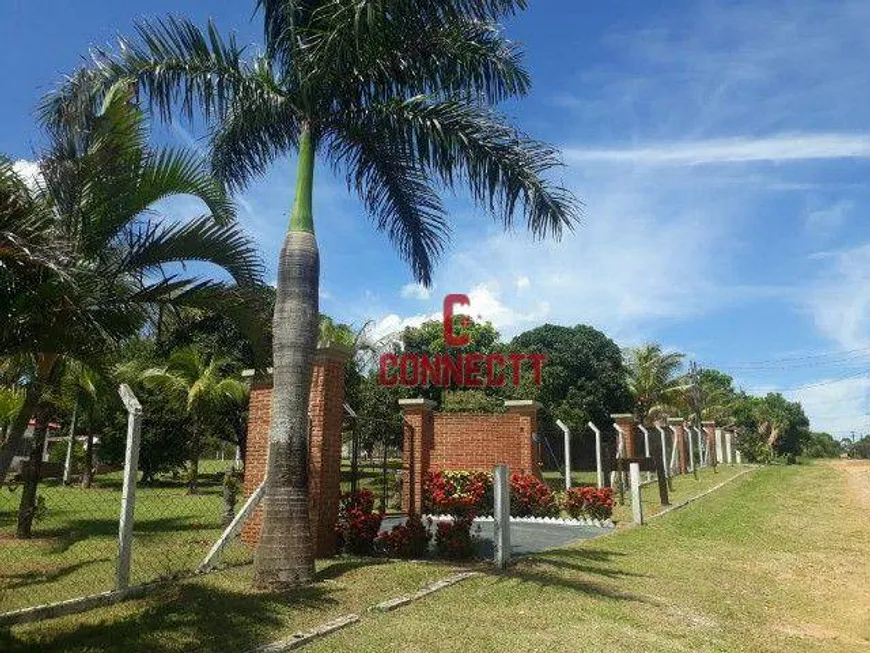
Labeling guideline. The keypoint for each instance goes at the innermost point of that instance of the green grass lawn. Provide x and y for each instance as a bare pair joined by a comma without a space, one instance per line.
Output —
75,544
777,560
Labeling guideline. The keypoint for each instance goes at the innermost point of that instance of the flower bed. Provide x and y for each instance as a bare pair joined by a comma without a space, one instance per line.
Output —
588,502
531,497
408,540
458,493
358,524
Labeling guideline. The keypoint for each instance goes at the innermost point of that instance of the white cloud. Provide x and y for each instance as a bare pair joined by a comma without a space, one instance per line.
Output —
27,170
415,291
393,325
837,407
840,300
778,148
830,217
523,283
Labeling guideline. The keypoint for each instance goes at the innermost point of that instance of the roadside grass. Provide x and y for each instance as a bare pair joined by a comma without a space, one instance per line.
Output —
220,612
775,561
74,547
778,560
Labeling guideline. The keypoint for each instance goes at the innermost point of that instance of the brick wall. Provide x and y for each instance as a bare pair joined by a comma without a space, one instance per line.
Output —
443,441
326,410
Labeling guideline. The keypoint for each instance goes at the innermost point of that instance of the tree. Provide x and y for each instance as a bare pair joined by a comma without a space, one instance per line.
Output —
583,378
107,260
654,380
819,445
399,95
204,388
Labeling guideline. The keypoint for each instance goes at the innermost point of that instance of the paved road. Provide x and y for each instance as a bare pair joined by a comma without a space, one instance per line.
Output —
526,537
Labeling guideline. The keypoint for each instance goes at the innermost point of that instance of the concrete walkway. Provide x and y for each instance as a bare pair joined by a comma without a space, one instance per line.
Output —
526,537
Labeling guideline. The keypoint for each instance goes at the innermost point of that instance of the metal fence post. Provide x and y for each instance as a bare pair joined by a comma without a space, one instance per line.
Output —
567,432
645,447
128,496
634,479
598,467
502,516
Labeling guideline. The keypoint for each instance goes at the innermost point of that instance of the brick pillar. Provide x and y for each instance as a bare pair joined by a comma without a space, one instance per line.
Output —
676,423
419,433
530,453
710,433
625,421
326,412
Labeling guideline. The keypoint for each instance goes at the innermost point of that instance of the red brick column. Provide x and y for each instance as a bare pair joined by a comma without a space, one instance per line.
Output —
326,412
530,452
676,423
710,432
419,433
625,421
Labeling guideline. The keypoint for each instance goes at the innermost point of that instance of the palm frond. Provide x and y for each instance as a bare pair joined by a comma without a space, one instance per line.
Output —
199,240
258,128
398,196
172,62
462,143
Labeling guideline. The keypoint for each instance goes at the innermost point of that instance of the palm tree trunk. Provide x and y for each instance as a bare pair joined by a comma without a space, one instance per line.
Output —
285,555
31,473
44,366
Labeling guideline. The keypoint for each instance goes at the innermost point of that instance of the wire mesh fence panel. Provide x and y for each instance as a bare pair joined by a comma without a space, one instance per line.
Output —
176,524
72,546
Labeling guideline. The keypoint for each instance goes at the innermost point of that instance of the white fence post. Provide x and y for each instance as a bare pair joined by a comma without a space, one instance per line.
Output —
67,463
645,447
691,449
664,450
675,469
702,446
620,452
567,432
128,495
634,479
728,448
501,522
720,451
598,467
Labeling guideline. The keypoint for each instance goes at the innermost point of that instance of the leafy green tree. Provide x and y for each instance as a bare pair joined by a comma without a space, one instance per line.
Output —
819,445
769,426
113,261
655,380
583,378
399,95
428,338
204,388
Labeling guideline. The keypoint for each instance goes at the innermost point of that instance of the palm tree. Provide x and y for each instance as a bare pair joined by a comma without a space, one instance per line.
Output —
205,389
107,261
399,95
655,381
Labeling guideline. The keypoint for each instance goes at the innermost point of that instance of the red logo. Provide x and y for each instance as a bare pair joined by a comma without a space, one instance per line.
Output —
464,370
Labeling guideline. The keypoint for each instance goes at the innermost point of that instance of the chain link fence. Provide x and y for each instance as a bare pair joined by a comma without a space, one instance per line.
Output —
72,549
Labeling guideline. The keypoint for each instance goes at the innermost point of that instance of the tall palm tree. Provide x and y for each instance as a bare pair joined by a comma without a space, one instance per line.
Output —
396,93
205,389
107,261
655,380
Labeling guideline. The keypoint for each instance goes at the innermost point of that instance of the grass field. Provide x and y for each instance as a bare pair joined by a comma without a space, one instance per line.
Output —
74,548
777,560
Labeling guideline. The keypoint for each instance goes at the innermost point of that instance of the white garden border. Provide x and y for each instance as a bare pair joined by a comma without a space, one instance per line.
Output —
558,521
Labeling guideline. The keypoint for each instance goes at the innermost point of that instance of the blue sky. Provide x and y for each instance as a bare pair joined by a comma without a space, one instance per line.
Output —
722,151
